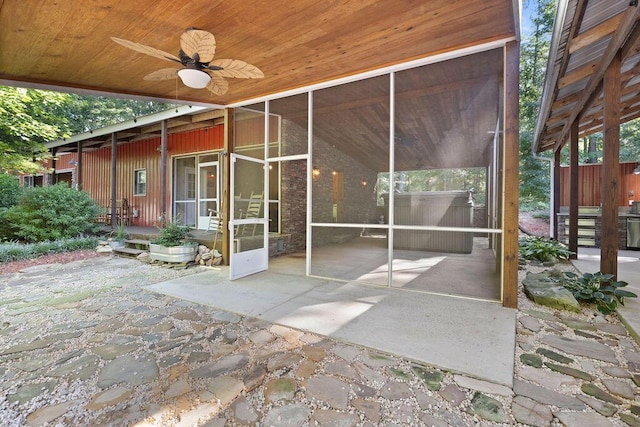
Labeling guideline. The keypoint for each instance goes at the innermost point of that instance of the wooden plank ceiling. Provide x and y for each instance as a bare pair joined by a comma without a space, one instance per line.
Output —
66,45
583,44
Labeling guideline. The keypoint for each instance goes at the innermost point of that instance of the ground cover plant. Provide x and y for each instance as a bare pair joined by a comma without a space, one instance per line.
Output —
15,251
542,249
597,288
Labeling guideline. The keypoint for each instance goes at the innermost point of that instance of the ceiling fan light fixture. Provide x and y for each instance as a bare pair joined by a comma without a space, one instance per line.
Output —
194,78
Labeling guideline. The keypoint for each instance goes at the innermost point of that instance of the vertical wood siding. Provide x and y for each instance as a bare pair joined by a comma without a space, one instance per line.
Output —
136,155
590,185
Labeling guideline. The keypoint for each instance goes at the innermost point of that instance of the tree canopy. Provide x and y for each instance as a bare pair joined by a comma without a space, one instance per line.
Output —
31,117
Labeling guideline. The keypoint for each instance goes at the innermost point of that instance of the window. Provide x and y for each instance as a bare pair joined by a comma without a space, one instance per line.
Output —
140,182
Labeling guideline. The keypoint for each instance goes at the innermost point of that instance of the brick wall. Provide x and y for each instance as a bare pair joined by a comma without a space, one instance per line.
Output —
359,200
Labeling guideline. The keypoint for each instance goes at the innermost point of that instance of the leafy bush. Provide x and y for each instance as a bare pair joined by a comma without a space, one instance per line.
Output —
172,233
597,289
52,213
542,249
10,189
14,251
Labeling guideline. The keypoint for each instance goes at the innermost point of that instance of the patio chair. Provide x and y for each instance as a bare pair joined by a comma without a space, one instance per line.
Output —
253,211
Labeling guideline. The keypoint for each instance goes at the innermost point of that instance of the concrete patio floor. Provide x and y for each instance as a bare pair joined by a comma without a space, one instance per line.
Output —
473,337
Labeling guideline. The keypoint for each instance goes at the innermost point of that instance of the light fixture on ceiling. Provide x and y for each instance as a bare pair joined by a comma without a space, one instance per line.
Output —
194,78
636,171
315,172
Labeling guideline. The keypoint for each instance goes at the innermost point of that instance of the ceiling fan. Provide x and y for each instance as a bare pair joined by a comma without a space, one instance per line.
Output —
199,70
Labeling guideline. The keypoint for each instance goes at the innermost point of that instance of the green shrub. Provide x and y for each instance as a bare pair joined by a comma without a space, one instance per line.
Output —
172,233
10,189
52,213
597,289
542,249
14,251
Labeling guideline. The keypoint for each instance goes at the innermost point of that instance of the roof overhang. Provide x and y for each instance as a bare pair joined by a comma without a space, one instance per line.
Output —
66,45
587,35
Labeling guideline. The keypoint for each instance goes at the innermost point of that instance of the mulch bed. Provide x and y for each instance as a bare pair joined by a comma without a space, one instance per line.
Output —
62,258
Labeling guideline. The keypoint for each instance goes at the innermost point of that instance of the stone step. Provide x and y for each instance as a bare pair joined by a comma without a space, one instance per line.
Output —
128,251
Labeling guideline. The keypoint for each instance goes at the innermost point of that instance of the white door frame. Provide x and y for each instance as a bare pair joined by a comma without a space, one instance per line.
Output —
202,220
244,263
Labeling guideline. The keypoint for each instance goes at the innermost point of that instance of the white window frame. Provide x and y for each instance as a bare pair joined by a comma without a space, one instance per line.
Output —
136,183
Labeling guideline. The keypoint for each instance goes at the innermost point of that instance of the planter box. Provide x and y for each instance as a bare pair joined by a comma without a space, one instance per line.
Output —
184,253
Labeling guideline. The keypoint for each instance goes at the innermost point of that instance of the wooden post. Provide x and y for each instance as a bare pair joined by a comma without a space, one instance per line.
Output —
510,176
54,179
556,191
114,158
79,167
610,169
573,190
229,115
163,168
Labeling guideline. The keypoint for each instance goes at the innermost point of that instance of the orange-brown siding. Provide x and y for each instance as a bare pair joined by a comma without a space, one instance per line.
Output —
144,154
590,185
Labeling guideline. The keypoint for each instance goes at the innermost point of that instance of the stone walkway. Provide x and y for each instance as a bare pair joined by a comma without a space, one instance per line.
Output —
85,344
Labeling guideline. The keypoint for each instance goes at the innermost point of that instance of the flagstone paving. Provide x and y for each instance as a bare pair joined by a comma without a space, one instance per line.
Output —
84,344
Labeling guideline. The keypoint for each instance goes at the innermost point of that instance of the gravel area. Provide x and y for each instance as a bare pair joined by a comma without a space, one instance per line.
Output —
83,343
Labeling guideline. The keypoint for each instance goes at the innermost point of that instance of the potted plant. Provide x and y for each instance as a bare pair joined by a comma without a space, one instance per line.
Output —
172,244
118,236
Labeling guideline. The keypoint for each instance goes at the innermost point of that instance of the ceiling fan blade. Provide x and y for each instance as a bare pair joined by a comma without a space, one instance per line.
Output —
152,51
162,74
218,85
203,43
235,68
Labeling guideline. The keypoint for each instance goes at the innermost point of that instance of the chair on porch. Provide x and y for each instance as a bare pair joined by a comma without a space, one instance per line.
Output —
253,211
122,213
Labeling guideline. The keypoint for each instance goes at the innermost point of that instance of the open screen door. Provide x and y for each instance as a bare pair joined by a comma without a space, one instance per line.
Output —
248,226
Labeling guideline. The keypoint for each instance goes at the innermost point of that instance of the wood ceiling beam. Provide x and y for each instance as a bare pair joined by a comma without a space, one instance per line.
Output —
594,34
627,25
208,115
563,102
578,74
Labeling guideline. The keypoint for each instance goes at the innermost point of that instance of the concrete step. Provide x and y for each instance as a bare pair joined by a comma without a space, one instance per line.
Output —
128,251
138,243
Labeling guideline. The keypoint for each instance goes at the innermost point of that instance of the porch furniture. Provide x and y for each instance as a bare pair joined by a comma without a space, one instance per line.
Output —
253,208
123,213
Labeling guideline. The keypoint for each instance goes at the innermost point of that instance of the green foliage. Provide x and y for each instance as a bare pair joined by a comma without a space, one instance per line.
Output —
13,251
534,172
599,289
542,249
28,118
10,189
172,233
52,213
31,117
120,232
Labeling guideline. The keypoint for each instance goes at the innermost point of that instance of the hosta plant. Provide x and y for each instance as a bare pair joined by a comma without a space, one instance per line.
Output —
542,249
599,289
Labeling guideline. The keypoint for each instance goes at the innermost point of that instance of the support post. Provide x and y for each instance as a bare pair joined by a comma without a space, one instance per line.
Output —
510,176
573,190
79,167
163,169
114,157
610,169
556,191
229,114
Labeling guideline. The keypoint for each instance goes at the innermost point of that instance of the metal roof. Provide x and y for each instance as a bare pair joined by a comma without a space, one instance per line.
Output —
587,35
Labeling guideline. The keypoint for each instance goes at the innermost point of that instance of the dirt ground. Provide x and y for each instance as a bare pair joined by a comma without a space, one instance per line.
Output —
530,224
15,266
